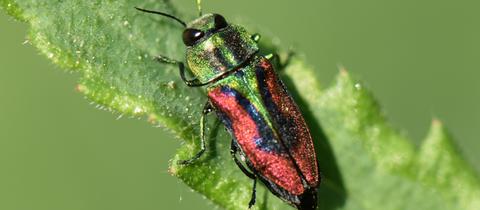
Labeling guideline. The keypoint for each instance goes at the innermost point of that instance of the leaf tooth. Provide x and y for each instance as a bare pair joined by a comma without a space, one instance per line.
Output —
435,154
441,166
359,114
348,97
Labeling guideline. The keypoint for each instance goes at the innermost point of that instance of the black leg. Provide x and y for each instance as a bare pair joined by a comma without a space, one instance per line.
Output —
254,194
233,152
181,68
206,109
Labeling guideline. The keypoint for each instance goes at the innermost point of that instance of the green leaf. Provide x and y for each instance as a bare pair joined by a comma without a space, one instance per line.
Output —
365,163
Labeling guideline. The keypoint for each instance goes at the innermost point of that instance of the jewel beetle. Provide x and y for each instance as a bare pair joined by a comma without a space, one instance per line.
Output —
269,133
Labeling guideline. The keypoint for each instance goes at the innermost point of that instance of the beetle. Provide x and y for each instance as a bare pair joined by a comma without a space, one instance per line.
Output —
269,133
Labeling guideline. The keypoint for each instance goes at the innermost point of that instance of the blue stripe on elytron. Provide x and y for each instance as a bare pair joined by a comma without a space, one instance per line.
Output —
266,141
282,123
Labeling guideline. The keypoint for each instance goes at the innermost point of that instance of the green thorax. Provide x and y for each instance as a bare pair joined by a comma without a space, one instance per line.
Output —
219,51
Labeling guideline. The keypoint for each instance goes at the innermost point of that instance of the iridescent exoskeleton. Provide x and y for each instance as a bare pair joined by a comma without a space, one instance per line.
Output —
245,92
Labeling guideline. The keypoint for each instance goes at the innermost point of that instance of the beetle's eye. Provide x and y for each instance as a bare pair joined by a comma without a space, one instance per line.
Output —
220,22
191,36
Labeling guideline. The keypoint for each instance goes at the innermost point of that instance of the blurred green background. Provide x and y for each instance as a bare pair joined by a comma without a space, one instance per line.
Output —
57,152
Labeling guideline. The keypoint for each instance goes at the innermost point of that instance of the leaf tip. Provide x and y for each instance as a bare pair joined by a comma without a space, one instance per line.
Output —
172,170
442,166
345,82
81,88
343,77
437,131
437,143
152,119
436,123
342,70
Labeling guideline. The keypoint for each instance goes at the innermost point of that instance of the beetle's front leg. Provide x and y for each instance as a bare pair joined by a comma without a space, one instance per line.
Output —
181,68
166,60
206,110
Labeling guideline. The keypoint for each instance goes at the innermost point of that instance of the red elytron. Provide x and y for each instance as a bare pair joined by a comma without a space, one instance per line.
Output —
268,130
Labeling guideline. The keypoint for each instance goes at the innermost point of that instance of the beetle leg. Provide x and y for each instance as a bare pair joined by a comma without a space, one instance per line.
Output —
191,83
206,110
163,59
181,68
233,152
256,37
254,196
275,58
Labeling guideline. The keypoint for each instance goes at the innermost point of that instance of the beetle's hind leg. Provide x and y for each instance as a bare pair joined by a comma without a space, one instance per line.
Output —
234,151
206,110
181,68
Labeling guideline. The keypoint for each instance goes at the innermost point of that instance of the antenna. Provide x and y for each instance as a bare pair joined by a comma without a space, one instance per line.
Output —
163,14
199,6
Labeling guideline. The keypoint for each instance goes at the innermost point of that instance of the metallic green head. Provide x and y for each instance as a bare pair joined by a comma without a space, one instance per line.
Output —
215,47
